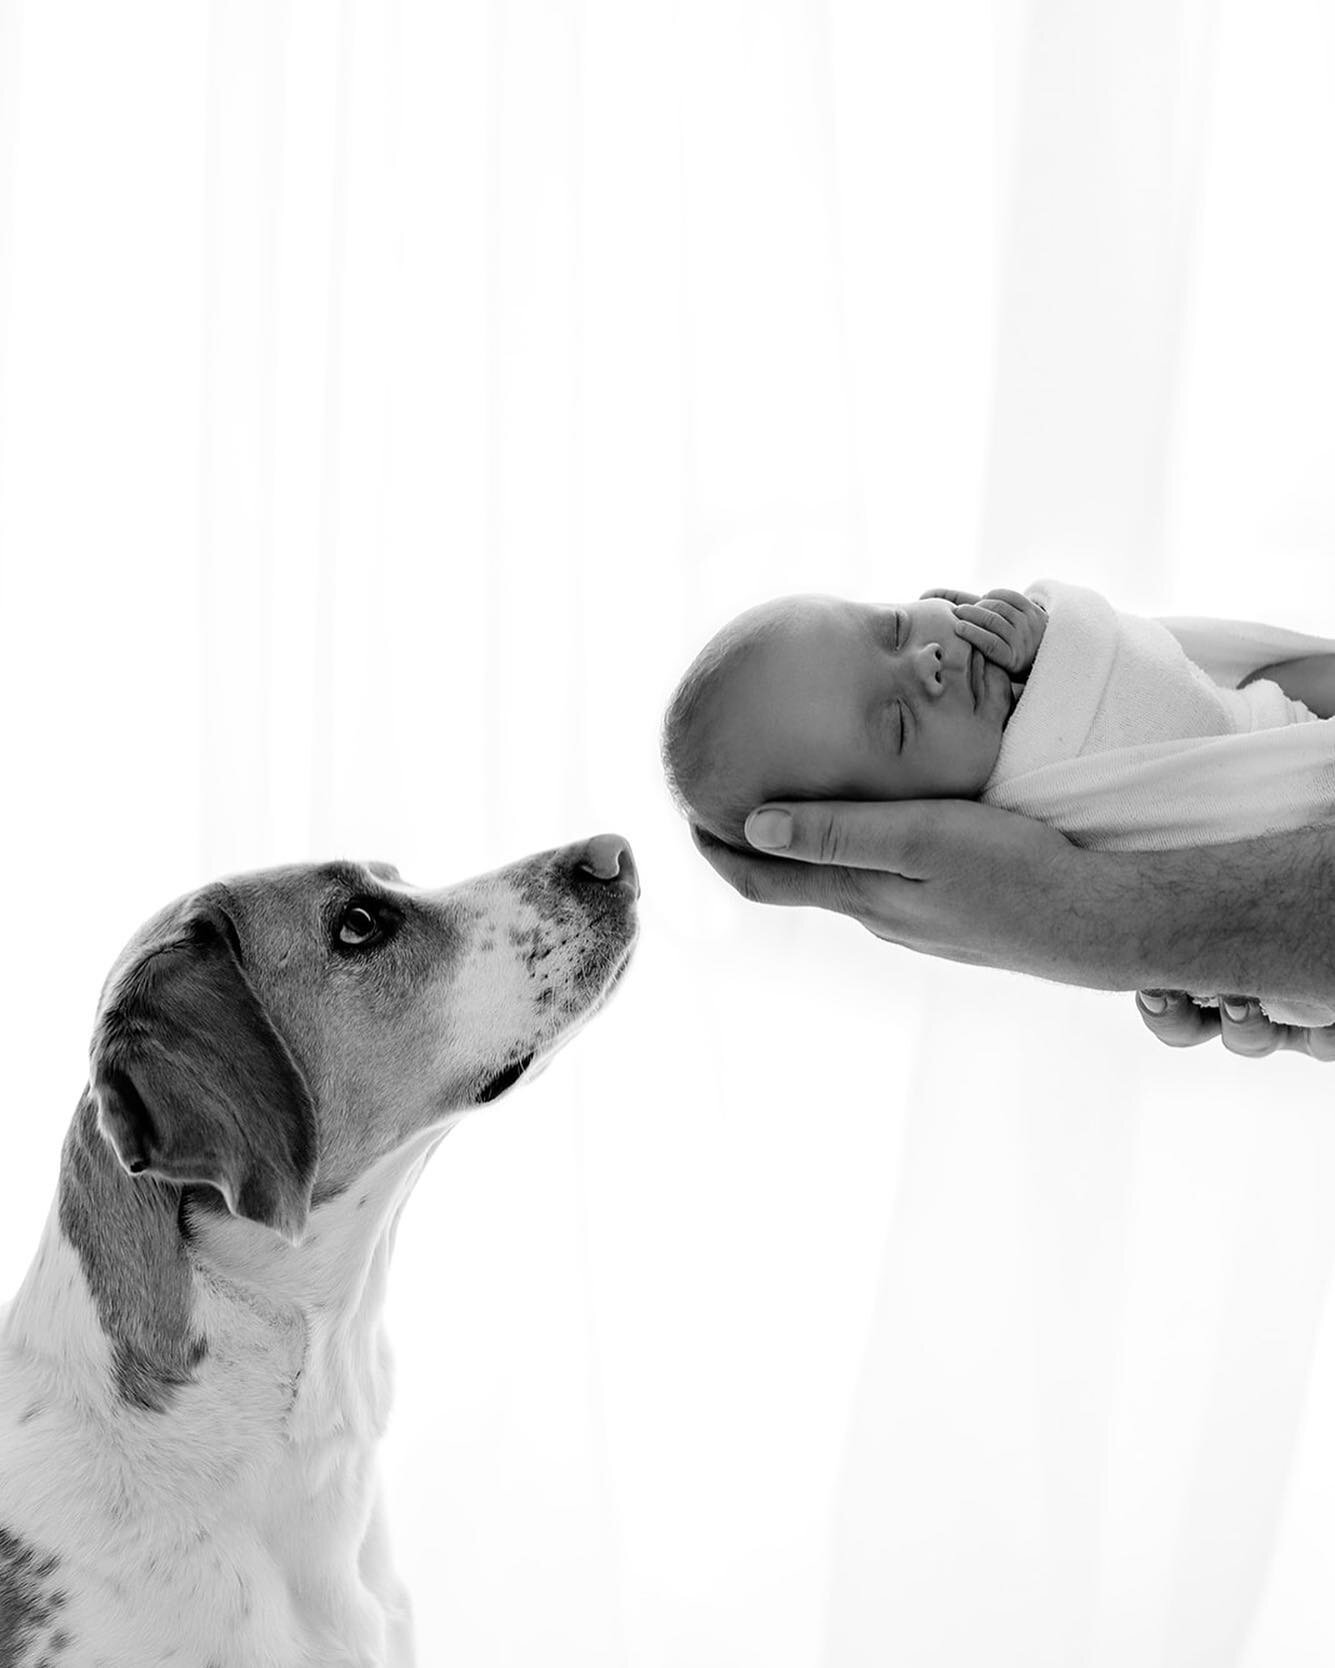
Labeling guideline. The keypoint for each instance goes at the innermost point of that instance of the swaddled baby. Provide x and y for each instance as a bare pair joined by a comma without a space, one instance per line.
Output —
1124,732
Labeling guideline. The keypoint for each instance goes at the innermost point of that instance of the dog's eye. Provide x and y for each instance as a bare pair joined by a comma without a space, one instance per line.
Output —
357,926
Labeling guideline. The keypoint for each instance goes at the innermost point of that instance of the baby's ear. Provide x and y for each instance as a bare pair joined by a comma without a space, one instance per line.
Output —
710,832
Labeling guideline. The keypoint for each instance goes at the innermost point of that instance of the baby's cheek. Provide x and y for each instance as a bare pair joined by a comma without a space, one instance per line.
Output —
977,756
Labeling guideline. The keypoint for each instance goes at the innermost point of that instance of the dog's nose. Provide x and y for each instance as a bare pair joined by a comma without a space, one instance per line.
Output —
608,857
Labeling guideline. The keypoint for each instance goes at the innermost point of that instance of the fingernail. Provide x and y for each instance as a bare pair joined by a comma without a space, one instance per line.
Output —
1153,1001
771,830
1234,1008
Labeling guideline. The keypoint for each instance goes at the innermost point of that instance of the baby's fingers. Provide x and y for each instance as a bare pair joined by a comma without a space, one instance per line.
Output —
1013,599
951,596
997,649
987,631
993,614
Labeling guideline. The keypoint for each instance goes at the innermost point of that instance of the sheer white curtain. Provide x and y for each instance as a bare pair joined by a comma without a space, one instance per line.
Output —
392,397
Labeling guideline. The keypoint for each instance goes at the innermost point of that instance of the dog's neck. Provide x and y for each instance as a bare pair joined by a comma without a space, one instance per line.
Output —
210,1335
320,1301
165,1273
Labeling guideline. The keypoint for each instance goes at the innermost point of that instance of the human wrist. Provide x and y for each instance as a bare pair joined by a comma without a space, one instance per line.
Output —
1251,917
1098,938
1152,920
1134,921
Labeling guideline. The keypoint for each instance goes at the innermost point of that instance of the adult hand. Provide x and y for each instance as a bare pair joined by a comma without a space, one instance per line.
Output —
1239,1023
946,877
974,884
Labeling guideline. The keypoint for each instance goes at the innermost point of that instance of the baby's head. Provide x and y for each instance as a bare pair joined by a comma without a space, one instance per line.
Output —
813,697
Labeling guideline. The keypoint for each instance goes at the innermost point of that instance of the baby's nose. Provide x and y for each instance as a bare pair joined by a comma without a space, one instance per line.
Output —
927,668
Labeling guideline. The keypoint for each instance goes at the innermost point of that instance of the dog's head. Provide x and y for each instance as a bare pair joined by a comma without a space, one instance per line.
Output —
271,1036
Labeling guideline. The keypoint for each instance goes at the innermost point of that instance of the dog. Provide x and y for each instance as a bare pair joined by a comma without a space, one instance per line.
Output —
193,1373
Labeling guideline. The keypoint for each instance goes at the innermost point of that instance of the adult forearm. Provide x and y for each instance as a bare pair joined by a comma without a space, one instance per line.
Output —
1253,917
1309,678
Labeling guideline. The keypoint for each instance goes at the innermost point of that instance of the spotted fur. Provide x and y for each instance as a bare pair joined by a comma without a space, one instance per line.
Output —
193,1374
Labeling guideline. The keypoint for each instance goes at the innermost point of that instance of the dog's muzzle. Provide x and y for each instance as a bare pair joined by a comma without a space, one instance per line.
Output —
584,898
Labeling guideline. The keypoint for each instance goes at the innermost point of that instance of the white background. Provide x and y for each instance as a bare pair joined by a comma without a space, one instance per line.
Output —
393,396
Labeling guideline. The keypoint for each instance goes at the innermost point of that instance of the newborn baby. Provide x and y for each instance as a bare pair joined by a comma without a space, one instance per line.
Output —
814,697
1122,731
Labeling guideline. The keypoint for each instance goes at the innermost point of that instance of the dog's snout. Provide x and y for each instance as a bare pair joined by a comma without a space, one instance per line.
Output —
608,858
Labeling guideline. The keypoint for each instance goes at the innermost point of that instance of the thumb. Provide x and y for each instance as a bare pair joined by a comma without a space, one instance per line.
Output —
852,834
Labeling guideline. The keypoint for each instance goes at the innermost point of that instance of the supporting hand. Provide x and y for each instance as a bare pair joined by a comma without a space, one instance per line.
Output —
946,877
1239,1024
973,884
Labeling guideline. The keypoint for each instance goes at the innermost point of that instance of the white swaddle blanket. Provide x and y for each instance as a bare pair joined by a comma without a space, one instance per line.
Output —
1132,735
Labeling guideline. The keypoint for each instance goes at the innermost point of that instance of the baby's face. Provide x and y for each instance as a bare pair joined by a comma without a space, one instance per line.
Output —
856,700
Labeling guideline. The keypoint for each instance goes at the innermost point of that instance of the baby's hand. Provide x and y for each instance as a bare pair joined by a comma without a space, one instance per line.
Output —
1005,625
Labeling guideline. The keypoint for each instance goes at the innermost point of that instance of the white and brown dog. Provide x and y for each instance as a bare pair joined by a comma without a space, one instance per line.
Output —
193,1374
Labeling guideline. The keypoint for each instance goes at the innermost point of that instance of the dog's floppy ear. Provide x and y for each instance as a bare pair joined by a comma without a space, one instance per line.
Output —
194,1084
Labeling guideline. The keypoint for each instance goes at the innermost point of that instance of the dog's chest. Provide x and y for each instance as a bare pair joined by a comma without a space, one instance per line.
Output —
243,1556
274,1588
